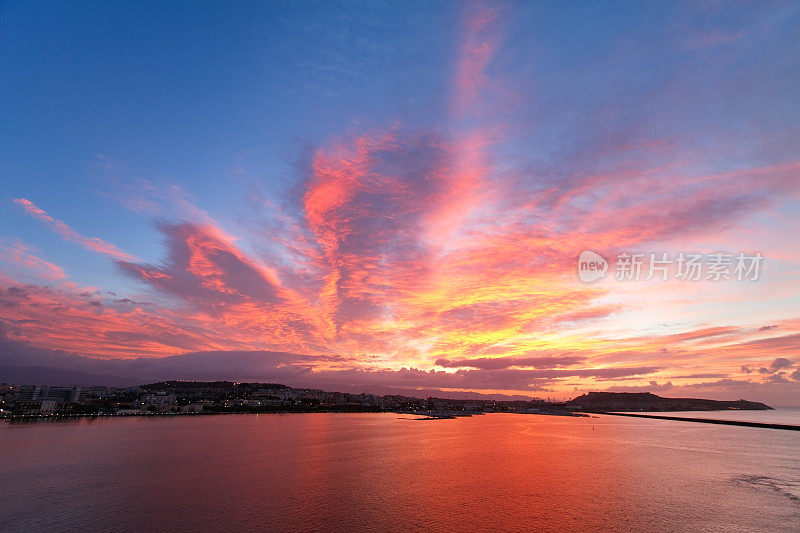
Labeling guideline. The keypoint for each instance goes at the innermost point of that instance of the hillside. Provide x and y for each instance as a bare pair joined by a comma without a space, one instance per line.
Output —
646,401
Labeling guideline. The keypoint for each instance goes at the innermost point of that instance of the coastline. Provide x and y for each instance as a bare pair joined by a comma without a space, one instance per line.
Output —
420,415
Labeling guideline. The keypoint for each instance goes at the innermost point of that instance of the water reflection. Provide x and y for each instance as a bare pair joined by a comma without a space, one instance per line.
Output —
376,472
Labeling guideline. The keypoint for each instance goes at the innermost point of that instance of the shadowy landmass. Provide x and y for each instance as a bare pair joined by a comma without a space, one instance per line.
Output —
219,397
646,401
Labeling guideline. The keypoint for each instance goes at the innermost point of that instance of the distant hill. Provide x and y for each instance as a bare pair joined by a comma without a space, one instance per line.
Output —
221,386
646,401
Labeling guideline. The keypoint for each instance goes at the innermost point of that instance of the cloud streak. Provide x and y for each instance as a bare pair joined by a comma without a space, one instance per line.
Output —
94,244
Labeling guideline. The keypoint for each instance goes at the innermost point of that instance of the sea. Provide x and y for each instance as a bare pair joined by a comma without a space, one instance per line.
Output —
385,472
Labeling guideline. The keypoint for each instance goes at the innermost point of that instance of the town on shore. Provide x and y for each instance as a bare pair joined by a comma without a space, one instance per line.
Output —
218,397
213,397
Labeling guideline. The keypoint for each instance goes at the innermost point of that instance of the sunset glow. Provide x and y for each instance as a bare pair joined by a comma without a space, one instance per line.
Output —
400,213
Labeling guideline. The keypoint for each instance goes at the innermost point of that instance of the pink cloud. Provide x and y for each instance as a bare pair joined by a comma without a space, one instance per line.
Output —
206,268
21,256
479,42
91,243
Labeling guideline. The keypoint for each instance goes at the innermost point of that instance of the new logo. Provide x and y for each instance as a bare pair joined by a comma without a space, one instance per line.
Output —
591,266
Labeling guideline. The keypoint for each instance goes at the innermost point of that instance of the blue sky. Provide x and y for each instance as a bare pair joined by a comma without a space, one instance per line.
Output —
204,96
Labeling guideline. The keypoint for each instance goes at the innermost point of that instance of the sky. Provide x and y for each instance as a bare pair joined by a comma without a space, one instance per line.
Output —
393,196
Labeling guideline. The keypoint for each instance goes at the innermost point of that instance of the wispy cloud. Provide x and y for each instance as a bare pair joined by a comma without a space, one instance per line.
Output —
94,244
22,257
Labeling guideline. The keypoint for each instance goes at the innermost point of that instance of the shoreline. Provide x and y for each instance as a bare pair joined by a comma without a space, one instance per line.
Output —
421,415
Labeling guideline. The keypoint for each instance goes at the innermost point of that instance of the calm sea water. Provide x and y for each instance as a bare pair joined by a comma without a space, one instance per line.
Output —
375,472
